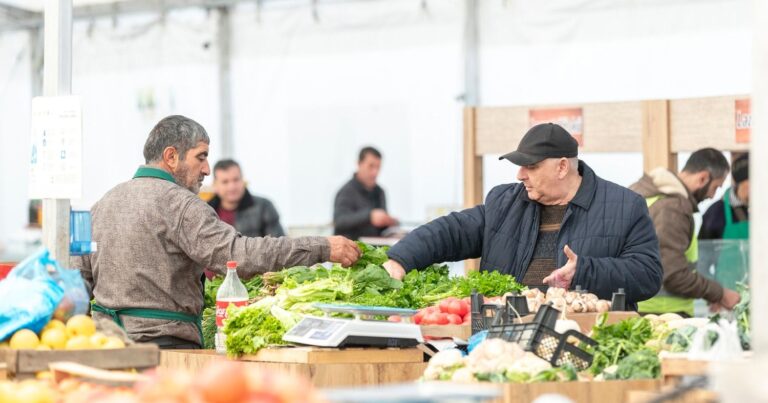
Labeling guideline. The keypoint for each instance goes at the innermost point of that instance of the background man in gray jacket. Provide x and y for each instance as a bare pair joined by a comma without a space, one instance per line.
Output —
250,215
155,236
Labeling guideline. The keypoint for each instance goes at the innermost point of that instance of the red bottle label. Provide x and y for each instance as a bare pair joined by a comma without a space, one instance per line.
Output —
221,310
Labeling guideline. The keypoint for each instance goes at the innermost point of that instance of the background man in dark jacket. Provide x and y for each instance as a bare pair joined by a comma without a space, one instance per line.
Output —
250,215
560,226
672,200
360,208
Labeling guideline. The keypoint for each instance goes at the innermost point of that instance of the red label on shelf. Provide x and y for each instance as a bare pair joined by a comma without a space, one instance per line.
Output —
571,119
743,120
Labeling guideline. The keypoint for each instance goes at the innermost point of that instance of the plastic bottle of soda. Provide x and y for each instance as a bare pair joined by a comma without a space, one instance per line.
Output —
231,291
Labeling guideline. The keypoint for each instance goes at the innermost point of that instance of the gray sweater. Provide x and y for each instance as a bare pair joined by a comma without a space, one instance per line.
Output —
154,240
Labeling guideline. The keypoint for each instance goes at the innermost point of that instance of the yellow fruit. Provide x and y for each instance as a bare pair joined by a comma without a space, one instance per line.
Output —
80,325
98,340
35,392
54,338
78,343
55,324
24,339
43,347
113,342
44,375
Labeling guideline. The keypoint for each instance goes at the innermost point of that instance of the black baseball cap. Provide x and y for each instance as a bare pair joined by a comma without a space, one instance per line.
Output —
546,140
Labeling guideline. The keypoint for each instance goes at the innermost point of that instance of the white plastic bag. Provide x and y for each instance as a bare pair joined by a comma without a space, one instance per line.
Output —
726,347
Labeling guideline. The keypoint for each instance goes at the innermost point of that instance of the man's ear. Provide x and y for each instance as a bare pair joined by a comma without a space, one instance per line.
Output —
704,178
171,157
563,166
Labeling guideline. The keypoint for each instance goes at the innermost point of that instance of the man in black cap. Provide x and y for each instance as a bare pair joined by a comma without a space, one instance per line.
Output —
561,226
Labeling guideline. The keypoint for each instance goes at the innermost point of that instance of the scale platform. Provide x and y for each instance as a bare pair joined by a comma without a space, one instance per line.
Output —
362,331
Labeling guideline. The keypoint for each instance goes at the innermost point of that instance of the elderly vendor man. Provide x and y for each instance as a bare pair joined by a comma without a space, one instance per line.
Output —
561,226
156,236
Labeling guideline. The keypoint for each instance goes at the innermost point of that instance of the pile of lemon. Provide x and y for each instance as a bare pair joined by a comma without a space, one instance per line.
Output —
79,333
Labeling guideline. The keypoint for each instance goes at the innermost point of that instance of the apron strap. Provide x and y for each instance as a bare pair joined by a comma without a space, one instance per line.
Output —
150,314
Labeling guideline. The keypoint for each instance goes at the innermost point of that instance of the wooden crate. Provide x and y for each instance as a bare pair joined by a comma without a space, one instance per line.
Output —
585,320
23,364
446,331
579,392
694,396
325,367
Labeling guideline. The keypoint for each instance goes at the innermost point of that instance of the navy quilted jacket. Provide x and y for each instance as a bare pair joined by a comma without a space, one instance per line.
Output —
606,225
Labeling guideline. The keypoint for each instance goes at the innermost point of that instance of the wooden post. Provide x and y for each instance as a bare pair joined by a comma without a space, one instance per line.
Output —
473,170
657,147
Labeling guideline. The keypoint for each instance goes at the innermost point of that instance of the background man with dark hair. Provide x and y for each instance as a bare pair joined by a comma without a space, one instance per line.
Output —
360,208
672,200
250,215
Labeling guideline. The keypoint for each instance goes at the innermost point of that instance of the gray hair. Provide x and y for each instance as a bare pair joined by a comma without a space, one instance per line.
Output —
179,132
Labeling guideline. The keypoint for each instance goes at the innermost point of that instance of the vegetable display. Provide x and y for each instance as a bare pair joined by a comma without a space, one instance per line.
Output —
566,301
617,343
295,291
494,360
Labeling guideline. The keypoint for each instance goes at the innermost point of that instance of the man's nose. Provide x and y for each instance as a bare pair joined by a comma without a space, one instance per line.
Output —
206,169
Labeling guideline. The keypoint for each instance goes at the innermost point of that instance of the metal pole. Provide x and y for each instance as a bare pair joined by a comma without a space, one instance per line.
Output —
57,80
471,74
224,40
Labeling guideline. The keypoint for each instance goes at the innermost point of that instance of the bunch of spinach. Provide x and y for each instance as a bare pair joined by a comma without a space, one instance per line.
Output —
642,364
617,341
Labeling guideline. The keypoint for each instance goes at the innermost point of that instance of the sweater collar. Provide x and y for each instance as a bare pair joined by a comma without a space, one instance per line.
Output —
152,172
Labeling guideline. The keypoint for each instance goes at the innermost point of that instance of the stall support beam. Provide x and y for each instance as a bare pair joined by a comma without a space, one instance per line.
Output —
657,146
473,171
224,41
57,81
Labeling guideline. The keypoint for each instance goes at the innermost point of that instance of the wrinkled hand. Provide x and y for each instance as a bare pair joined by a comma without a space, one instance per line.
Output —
562,277
343,251
380,218
394,269
730,299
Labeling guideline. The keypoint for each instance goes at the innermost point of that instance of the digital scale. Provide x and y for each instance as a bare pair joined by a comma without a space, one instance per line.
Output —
362,331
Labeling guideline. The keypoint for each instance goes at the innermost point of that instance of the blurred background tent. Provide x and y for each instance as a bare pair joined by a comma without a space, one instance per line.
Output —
292,89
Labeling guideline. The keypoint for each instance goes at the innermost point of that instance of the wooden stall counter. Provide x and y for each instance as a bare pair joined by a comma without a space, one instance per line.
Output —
325,367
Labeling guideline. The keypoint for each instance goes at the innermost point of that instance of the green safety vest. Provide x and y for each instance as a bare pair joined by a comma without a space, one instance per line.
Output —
727,275
664,302
115,314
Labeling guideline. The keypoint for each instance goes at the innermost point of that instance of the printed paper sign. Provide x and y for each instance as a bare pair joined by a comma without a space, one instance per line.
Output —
743,120
56,165
569,118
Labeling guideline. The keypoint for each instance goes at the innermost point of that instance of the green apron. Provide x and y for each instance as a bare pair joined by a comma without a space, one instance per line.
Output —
728,271
664,302
147,313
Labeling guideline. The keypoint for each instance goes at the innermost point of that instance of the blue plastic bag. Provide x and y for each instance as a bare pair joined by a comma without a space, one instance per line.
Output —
29,295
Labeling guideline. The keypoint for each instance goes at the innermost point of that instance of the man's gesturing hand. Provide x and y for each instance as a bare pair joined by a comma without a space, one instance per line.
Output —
562,277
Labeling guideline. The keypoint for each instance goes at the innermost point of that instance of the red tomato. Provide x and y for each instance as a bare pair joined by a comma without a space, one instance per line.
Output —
442,319
395,318
458,307
445,304
418,317
428,319
454,319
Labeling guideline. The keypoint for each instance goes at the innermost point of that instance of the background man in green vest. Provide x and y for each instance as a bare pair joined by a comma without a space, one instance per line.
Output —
728,219
672,200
